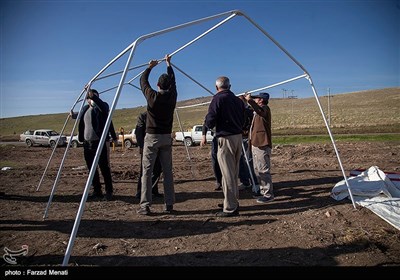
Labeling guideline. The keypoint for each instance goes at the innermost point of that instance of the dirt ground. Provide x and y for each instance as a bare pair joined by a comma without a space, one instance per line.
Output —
303,226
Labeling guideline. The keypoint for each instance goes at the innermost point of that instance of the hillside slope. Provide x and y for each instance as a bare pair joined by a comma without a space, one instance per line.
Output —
372,111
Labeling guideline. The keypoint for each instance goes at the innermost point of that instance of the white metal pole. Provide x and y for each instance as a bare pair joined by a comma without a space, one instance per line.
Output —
62,130
332,140
150,35
52,154
249,167
120,72
204,34
132,48
275,42
278,84
250,91
183,139
53,190
95,163
203,87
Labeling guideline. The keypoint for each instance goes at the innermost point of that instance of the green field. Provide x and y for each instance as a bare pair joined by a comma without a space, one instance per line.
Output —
296,139
366,112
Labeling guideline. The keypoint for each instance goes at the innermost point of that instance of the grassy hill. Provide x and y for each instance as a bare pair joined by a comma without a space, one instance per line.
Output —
372,111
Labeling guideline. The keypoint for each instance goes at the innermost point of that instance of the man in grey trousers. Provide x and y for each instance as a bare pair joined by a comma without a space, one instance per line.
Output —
158,141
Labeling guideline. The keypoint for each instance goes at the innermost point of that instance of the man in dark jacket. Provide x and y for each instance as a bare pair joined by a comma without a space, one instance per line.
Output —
92,121
158,141
226,114
140,132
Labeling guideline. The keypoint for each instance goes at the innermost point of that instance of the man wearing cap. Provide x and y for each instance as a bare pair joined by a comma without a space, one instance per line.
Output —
226,114
261,143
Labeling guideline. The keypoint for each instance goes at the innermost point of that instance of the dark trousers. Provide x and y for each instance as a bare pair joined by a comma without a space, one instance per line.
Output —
214,161
89,151
154,178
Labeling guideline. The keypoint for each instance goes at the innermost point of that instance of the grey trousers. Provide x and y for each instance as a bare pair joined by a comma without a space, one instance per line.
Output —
262,168
161,145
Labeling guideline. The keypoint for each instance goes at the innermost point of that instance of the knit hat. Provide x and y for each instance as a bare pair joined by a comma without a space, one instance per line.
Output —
164,81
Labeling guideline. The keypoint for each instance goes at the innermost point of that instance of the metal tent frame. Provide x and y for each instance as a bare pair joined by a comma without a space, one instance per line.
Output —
131,50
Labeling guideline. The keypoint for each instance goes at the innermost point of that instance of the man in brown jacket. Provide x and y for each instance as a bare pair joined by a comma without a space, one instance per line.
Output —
261,144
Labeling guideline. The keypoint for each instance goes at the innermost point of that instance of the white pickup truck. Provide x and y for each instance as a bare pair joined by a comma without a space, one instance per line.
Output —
23,135
75,143
193,136
45,137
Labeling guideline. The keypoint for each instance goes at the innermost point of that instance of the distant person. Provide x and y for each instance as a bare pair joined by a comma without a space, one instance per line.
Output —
226,114
214,159
140,132
92,121
261,144
158,141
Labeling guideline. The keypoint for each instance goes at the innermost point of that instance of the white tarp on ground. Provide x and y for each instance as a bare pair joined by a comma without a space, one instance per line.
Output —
374,190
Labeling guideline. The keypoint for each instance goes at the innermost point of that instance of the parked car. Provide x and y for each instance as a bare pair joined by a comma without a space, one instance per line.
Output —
45,137
75,143
194,136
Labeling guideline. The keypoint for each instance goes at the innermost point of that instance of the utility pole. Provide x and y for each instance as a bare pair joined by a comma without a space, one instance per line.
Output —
284,92
329,107
292,97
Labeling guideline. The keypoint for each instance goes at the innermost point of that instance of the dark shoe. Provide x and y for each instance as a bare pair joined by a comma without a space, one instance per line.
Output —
257,194
221,205
169,209
109,196
95,195
158,194
265,199
226,214
143,211
138,195
242,187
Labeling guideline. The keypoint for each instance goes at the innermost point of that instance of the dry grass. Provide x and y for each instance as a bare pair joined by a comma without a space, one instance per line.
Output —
373,111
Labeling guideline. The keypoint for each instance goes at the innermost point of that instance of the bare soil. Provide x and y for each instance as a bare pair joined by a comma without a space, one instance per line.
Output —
303,226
